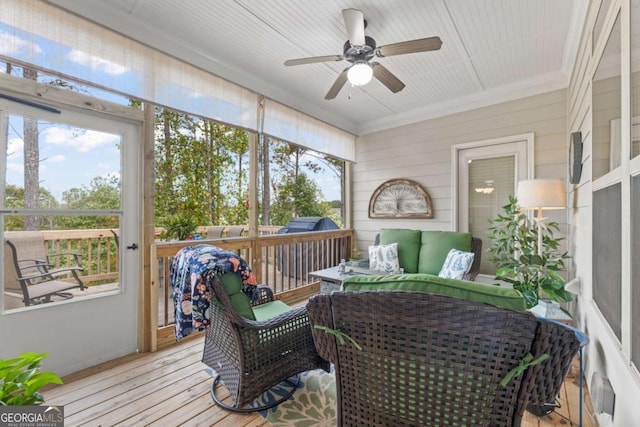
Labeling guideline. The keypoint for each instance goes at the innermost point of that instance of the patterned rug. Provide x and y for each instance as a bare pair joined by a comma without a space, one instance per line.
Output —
312,405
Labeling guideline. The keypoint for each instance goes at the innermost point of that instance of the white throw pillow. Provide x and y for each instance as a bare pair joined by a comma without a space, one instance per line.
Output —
384,258
457,264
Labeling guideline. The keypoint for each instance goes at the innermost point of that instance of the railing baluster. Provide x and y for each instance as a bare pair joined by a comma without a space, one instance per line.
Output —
285,259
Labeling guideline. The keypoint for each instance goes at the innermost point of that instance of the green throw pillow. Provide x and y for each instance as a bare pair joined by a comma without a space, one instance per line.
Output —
232,284
435,246
408,246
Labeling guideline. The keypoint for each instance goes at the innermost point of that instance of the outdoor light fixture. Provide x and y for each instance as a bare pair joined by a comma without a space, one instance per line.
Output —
541,194
360,74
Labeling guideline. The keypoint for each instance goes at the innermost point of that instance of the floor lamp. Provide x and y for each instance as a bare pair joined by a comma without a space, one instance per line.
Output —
539,195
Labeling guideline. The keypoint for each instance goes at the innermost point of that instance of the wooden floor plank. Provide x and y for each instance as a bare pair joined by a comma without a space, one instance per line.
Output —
171,388
113,390
121,368
158,399
140,368
105,408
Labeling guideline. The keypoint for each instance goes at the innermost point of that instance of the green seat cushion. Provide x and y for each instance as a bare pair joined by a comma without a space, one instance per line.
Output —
408,246
435,246
474,291
232,284
270,309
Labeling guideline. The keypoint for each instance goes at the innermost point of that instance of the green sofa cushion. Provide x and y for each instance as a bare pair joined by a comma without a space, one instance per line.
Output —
435,246
408,246
480,292
270,309
232,284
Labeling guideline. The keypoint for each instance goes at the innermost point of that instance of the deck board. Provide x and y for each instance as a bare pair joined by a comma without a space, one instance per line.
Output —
171,388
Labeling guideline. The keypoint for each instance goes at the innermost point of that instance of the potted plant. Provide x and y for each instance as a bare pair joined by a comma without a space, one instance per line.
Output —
21,380
179,227
514,252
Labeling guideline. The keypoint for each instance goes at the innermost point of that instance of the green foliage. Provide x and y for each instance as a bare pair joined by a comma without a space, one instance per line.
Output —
295,193
178,227
21,380
515,255
15,199
102,193
199,169
298,198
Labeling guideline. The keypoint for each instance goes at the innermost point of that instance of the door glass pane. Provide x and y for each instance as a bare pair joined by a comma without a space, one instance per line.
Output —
491,182
57,166
60,210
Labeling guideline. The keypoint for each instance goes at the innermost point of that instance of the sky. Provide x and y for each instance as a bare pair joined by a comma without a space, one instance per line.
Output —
71,157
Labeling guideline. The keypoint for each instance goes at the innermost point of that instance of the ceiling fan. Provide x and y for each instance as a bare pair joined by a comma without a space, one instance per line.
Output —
360,49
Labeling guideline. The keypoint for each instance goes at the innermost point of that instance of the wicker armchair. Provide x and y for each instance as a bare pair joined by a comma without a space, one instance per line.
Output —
250,356
435,360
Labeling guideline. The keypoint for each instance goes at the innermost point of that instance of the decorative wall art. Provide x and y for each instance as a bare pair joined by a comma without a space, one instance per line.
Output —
400,198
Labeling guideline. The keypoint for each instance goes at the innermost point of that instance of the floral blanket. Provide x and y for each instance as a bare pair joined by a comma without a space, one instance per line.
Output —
192,271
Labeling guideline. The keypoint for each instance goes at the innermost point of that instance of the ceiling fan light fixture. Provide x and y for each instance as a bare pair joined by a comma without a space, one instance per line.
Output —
360,74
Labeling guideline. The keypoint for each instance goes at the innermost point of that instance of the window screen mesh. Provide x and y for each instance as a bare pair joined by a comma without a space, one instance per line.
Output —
607,245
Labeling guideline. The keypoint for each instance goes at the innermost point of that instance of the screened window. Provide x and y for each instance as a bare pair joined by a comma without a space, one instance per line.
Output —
607,261
606,139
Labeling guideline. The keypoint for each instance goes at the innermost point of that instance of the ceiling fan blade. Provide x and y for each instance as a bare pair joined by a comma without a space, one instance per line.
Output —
411,46
386,77
313,59
354,21
337,85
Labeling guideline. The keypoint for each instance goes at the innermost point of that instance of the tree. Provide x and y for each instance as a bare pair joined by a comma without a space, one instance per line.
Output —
103,193
15,199
298,198
266,179
31,163
199,170
296,194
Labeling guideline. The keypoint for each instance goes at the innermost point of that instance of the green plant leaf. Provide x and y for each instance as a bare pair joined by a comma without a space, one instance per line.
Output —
530,297
20,380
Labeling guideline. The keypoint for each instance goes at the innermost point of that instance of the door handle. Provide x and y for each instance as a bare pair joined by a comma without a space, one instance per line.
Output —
133,247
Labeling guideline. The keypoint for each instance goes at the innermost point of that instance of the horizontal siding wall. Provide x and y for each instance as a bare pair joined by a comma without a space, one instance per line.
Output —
422,152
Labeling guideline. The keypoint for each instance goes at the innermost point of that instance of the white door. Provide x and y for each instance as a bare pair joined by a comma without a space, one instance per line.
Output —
74,176
487,174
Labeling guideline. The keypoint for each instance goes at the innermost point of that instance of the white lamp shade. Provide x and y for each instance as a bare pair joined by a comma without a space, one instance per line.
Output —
541,194
360,74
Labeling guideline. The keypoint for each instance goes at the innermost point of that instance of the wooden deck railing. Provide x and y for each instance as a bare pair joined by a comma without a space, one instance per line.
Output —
99,250
281,261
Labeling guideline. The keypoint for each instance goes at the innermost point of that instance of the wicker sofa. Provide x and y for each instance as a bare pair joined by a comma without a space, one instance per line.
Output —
424,251
445,353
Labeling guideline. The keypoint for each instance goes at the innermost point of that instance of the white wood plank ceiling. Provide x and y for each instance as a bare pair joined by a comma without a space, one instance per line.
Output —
493,50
